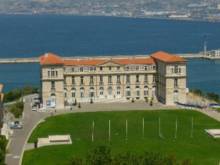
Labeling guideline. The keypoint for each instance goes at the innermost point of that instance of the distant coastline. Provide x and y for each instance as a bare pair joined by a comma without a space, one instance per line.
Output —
129,17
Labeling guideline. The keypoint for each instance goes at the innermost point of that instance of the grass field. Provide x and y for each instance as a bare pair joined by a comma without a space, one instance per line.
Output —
193,144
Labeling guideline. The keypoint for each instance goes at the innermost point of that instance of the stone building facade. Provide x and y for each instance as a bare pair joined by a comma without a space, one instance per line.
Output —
158,77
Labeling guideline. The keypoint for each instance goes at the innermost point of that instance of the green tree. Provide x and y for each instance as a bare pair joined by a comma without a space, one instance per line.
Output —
3,143
213,96
17,109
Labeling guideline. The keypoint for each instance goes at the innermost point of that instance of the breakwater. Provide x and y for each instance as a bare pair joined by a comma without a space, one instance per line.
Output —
36,59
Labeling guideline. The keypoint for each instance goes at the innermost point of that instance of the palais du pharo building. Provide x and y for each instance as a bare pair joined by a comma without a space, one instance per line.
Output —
158,77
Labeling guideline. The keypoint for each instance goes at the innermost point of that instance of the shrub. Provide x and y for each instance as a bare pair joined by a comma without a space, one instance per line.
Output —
3,143
101,155
213,96
17,109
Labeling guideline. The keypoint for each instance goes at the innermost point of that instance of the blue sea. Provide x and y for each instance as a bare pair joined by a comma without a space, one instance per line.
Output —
33,35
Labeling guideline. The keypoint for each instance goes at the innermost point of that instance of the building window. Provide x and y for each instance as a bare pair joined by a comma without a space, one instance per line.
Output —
73,80
81,69
145,78
145,67
81,80
101,79
127,78
137,67
73,92
91,80
52,72
137,78
175,83
101,68
110,90
118,67
56,73
118,90
82,92
145,91
110,68
109,79
154,78
176,69
118,79
128,92
48,73
101,91
91,92
53,84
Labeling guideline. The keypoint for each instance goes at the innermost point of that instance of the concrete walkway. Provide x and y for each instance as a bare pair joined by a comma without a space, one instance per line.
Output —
211,113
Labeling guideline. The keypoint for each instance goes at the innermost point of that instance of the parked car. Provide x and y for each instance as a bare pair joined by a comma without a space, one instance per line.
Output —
16,125
34,108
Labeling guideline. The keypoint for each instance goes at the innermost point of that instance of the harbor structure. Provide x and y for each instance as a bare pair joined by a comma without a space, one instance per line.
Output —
158,77
205,54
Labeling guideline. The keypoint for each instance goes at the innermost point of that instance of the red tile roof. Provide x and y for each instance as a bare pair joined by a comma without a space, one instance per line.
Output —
120,61
50,59
53,59
166,57
90,62
136,60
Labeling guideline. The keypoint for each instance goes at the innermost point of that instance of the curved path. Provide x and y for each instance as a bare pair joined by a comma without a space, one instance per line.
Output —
18,139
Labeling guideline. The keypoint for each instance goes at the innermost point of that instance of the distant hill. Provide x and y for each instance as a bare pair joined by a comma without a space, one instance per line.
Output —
104,7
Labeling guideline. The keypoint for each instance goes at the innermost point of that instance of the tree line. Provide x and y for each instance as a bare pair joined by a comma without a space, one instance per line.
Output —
17,93
102,155
209,95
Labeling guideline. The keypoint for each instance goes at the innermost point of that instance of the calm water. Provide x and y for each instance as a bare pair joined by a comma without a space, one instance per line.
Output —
26,36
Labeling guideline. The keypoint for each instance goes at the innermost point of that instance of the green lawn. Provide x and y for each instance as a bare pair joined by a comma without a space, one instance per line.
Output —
200,148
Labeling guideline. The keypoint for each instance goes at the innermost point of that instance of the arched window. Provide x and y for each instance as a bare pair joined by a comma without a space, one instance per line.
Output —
101,91
128,91
81,92
91,92
145,91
